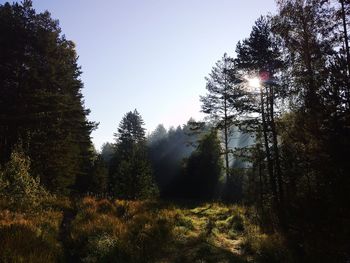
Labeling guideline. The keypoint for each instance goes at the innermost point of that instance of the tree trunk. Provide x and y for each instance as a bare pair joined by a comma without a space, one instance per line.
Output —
226,131
346,40
276,158
275,146
267,151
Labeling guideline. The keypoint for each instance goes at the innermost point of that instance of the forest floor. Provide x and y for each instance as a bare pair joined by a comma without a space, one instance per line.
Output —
101,230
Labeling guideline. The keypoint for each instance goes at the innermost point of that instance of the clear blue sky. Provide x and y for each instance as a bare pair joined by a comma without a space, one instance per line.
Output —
151,55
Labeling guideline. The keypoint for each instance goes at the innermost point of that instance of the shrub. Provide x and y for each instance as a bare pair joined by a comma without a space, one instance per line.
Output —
101,248
18,187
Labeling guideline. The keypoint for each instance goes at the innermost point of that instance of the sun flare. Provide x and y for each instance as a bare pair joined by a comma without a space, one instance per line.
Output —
254,82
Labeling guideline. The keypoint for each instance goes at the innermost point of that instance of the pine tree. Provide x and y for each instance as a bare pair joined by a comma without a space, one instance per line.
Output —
223,102
260,55
41,104
203,168
131,173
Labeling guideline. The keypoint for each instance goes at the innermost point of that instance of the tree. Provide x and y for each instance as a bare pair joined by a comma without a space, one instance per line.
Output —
203,168
131,173
107,152
260,55
157,135
41,105
166,152
99,176
314,132
222,102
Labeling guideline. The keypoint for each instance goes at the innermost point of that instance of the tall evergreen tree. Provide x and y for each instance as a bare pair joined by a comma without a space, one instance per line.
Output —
131,172
223,102
260,55
41,104
203,168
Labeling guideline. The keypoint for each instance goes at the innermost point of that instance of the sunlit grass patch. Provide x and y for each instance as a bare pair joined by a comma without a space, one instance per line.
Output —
264,247
128,231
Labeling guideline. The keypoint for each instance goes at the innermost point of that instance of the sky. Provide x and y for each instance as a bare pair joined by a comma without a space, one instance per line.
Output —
150,55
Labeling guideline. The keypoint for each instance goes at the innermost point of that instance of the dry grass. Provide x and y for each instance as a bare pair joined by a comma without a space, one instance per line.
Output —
102,230
26,237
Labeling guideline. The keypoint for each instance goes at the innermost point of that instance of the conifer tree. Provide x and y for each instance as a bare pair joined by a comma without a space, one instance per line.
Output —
41,104
223,102
260,55
203,168
131,173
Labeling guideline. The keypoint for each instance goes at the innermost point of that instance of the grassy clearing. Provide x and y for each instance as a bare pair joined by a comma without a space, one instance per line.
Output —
135,231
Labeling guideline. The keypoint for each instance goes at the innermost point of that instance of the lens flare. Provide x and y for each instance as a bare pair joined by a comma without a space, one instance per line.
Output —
254,82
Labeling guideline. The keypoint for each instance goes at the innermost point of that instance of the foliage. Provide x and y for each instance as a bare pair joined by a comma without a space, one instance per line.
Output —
131,172
167,149
18,187
98,176
135,235
203,169
223,101
41,103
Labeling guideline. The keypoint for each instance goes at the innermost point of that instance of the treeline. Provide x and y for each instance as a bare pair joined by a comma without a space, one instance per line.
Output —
184,163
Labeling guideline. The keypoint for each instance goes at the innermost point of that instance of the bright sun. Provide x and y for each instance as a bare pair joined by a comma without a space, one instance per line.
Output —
254,82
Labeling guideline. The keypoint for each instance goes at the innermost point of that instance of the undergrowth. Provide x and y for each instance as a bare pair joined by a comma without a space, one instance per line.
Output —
105,230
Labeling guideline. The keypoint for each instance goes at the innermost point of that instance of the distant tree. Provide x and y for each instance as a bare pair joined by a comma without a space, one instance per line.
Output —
131,173
99,176
158,134
167,152
107,152
203,168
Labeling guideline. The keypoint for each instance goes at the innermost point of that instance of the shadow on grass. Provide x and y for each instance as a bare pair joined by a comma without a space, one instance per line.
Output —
203,251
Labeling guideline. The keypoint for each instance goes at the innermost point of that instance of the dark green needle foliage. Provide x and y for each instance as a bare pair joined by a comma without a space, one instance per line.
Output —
223,102
203,168
98,176
131,173
41,104
167,149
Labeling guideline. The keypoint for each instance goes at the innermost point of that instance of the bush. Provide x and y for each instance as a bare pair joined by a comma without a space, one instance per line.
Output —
19,189
101,248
